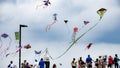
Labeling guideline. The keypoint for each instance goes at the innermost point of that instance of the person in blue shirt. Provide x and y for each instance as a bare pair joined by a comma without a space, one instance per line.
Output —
41,63
104,62
89,62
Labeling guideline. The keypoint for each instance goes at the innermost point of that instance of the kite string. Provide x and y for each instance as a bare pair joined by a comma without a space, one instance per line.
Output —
76,41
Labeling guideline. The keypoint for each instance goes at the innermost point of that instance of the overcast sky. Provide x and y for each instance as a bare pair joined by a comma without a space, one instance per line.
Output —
16,12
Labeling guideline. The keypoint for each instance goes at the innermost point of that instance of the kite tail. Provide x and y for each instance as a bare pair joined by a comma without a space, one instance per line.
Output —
68,28
0,43
14,53
77,40
74,37
100,18
49,26
38,6
18,49
8,46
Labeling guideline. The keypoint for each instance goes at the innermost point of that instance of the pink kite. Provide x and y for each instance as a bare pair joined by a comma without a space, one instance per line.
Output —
55,20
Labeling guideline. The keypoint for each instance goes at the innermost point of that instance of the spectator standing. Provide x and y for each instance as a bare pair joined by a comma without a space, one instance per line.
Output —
41,63
116,59
74,63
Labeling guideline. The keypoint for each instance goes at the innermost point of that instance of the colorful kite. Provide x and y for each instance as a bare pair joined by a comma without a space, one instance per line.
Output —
37,52
46,4
101,12
75,30
19,48
27,46
86,22
89,45
55,20
14,53
7,47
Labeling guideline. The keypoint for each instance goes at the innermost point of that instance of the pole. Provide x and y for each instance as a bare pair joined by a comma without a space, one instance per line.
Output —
20,46
20,43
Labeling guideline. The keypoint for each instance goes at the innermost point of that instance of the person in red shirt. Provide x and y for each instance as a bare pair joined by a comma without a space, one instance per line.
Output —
110,62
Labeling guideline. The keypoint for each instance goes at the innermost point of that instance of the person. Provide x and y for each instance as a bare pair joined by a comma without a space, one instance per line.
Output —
96,63
100,61
41,63
110,61
81,63
89,62
104,61
47,63
116,59
54,66
27,65
36,64
24,63
10,65
73,63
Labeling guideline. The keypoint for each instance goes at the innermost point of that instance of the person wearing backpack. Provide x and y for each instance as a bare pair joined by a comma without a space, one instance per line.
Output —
10,65
116,59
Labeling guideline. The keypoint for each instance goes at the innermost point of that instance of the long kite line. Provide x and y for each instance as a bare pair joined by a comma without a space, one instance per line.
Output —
77,40
47,52
100,13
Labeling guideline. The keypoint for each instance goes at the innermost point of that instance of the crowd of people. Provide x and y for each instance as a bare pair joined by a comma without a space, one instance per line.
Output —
38,64
41,64
100,62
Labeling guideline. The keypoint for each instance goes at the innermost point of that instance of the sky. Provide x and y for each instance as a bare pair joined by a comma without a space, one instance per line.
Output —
105,36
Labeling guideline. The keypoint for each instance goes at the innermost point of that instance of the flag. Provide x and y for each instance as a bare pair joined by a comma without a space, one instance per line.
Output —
17,37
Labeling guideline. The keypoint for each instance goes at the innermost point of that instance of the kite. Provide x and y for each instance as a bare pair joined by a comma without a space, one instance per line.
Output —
27,46
46,4
89,45
75,30
86,22
60,64
66,23
4,35
55,20
37,52
101,12
7,55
